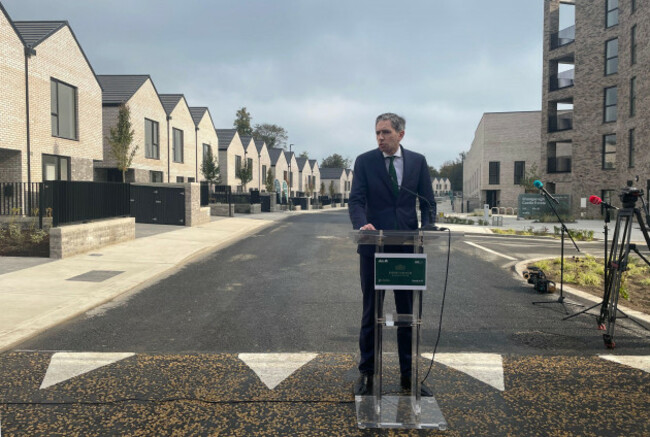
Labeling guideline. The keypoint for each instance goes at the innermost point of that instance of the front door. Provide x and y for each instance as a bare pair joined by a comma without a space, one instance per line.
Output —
491,198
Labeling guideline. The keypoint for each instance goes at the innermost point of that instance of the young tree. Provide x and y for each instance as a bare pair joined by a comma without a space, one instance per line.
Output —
245,175
210,167
335,161
272,134
270,181
243,122
121,139
322,188
332,190
528,182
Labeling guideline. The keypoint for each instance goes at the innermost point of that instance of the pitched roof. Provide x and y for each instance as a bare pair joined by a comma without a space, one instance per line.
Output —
35,32
302,162
288,155
245,141
259,144
197,113
313,163
331,173
170,101
275,154
119,88
225,137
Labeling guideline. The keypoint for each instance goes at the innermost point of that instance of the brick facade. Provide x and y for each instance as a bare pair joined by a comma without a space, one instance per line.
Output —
584,142
206,135
227,158
181,119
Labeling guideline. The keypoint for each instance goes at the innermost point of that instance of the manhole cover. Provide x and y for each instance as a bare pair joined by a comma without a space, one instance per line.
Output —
96,275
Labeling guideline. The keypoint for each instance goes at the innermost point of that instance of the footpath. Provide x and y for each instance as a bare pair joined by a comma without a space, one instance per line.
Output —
37,294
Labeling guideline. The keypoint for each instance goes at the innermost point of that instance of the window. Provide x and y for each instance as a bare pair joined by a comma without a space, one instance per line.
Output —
178,145
207,149
180,179
56,168
633,97
191,180
264,172
151,139
249,163
630,162
611,56
609,151
285,176
633,6
633,45
494,172
612,13
520,170
63,105
237,164
611,100
156,176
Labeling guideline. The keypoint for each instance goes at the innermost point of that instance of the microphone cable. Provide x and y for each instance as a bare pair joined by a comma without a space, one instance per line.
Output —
442,308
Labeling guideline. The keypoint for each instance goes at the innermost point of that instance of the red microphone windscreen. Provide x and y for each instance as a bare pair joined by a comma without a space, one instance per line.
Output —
595,200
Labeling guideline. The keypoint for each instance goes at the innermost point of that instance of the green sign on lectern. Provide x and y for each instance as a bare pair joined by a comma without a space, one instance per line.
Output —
400,271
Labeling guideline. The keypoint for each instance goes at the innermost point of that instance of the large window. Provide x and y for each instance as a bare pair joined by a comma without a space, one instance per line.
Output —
633,45
207,149
63,103
609,151
611,100
630,162
612,13
237,164
178,145
520,170
56,168
494,170
633,97
264,175
611,56
151,139
155,176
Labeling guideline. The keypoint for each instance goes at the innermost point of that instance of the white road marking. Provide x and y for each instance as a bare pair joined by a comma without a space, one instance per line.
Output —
67,365
272,369
641,362
490,251
485,367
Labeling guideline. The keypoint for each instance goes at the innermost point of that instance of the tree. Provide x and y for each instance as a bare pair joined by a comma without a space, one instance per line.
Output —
335,161
272,134
304,155
245,175
322,188
210,168
120,140
243,122
433,172
332,190
270,181
528,182
453,170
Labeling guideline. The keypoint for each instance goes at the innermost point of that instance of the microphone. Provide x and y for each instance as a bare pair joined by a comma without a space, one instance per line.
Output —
538,184
598,201
431,226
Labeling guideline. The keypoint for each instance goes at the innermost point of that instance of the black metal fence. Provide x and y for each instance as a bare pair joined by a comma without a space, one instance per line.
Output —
19,198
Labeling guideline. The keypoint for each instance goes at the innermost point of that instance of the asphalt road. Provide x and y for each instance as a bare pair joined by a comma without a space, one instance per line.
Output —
293,288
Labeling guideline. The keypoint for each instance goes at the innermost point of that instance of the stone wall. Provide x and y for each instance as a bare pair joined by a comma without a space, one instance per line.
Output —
66,241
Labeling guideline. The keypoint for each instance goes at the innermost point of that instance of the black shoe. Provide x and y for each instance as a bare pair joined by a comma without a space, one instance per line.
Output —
405,381
363,386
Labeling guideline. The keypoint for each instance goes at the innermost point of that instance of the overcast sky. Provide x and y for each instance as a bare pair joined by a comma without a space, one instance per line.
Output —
323,70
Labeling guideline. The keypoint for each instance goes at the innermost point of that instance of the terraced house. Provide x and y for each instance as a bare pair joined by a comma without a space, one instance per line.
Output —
231,155
251,160
205,138
51,104
264,162
181,151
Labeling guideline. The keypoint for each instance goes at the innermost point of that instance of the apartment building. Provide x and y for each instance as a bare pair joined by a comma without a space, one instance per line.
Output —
205,138
148,121
505,146
51,103
595,99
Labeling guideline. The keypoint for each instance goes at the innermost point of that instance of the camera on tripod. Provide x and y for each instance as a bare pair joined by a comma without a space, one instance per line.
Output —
629,195
537,278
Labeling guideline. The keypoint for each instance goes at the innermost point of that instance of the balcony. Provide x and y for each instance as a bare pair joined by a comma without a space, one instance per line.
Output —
561,122
562,80
559,164
563,37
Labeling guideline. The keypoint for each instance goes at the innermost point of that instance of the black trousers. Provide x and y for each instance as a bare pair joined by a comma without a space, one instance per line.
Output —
403,304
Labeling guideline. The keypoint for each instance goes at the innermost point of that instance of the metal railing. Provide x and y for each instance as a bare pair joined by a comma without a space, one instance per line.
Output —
562,80
563,37
19,198
561,122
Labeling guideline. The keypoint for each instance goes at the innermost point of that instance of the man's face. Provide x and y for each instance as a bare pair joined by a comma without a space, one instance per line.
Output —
388,138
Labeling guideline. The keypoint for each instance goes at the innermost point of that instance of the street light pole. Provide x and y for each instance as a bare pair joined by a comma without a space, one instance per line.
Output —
290,178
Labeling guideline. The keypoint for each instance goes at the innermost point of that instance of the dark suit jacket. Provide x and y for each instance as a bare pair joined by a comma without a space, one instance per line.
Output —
372,199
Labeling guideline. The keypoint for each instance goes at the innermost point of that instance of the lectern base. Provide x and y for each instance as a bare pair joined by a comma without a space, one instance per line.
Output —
399,412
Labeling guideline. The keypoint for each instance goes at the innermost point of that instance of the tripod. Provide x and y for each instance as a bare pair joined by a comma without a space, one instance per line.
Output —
561,299
617,265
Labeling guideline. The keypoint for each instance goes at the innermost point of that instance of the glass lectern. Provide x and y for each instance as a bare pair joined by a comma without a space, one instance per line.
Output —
399,411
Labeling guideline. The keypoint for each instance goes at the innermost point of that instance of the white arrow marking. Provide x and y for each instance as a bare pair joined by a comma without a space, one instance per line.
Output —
487,368
272,369
641,362
66,365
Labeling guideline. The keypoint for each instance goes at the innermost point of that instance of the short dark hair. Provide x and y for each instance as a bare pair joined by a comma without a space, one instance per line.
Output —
396,121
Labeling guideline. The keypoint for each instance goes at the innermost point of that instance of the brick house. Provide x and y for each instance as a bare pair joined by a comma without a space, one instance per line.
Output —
51,121
205,138
337,178
13,126
304,174
231,156
148,121
280,169
441,186
181,141
292,165
315,174
252,159
264,163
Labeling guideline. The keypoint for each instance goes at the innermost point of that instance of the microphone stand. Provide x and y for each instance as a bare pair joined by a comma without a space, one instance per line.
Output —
431,226
561,300
605,228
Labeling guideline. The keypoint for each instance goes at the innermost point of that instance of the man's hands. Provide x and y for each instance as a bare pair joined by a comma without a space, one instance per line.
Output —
368,227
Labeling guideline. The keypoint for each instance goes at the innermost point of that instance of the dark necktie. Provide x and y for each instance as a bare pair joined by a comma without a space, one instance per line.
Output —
393,176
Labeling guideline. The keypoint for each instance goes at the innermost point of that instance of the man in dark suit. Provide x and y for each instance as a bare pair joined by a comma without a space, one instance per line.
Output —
378,201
